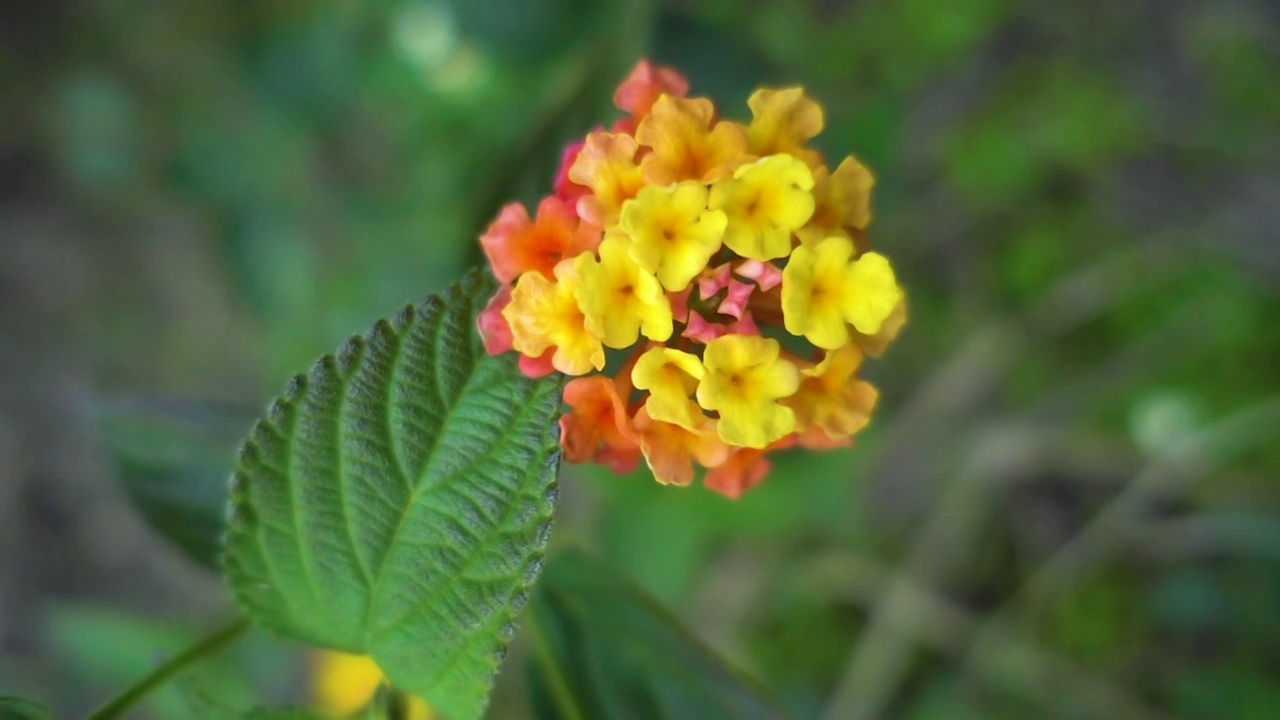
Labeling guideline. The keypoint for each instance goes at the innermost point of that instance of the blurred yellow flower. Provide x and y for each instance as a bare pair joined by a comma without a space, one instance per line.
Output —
342,684
783,121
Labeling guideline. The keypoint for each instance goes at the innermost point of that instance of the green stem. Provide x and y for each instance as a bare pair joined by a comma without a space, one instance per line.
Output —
126,700
557,684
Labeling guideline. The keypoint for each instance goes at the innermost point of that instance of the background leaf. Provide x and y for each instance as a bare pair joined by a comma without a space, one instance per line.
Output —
396,501
605,649
173,458
15,709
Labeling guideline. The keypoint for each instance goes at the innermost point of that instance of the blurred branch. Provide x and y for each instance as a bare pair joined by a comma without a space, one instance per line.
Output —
1184,463
1242,534
971,375
902,611
928,619
883,654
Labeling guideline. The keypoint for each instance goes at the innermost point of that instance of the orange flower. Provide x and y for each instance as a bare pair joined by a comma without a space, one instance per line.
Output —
646,83
670,450
782,122
842,200
688,143
607,165
742,470
597,428
515,245
875,345
831,397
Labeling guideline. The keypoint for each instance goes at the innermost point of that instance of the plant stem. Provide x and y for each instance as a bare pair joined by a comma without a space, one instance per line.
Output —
125,701
558,686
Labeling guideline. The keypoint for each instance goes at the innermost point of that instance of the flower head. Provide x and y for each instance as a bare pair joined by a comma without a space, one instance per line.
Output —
688,243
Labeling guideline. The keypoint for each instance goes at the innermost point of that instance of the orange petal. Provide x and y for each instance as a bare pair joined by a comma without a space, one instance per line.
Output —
515,244
646,83
597,427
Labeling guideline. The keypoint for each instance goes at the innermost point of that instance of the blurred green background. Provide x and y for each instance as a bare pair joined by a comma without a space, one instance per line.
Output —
1067,505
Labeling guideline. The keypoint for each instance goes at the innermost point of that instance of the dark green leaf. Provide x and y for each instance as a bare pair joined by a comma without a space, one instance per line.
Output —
173,458
396,501
605,649
15,709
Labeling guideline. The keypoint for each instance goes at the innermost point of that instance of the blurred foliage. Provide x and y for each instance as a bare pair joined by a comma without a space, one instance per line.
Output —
1079,198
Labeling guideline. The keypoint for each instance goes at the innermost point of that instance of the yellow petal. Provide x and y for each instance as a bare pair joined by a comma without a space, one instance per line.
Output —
873,293
674,235
745,377
619,299
815,292
670,376
765,202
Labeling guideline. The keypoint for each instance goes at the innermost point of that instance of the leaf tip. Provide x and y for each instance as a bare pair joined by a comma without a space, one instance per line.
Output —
349,355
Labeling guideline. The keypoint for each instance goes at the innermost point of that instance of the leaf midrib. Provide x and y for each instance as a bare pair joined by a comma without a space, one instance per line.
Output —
477,547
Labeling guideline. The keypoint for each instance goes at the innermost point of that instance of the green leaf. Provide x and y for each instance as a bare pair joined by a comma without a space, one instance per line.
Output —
15,709
604,649
396,501
173,458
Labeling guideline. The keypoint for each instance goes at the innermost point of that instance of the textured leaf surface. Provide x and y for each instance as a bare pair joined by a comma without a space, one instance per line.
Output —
396,501
15,709
604,649
173,458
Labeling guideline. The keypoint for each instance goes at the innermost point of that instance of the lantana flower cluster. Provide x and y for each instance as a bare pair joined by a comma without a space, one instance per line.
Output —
707,283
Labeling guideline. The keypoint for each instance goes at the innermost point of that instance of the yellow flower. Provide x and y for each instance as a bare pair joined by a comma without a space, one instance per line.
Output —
544,314
674,233
343,684
765,202
831,398
782,121
620,299
823,290
744,379
670,450
670,376
688,143
606,164
842,200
